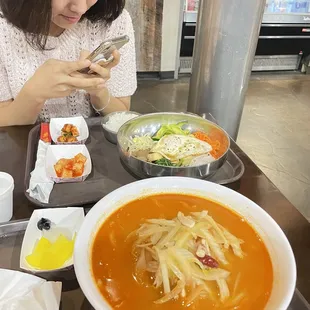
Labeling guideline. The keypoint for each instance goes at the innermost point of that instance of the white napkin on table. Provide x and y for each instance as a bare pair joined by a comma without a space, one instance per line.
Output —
21,291
40,185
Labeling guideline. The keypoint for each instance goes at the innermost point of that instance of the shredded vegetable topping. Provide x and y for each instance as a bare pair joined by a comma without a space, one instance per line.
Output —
216,145
142,143
175,146
185,255
171,129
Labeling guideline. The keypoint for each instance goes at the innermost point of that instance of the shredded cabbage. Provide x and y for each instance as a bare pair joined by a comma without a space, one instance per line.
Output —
186,254
142,143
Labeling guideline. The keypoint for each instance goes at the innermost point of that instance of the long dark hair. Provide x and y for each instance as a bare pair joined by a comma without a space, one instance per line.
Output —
33,17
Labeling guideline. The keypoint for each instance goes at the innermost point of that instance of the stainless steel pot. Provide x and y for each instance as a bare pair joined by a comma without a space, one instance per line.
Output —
150,124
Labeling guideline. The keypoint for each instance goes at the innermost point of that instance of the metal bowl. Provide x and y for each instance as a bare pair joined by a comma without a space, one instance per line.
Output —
150,124
109,134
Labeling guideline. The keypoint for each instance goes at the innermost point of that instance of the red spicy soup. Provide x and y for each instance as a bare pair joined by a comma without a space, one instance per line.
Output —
113,263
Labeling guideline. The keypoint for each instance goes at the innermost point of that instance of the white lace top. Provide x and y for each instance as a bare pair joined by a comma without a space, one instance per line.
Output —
18,62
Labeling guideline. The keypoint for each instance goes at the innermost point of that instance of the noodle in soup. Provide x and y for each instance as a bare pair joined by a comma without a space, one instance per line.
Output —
175,251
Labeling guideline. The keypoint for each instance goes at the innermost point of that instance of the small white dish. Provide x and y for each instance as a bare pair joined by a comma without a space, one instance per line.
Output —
65,221
56,152
57,124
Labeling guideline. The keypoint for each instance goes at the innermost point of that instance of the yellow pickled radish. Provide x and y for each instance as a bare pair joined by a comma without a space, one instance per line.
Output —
42,244
48,256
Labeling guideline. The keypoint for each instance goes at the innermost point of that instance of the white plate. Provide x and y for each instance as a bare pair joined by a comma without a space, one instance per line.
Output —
282,257
57,124
56,152
65,221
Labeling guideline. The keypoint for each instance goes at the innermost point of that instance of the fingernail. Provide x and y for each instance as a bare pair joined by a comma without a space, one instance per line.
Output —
101,86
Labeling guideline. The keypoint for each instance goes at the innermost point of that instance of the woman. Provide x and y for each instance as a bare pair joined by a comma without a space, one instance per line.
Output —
43,44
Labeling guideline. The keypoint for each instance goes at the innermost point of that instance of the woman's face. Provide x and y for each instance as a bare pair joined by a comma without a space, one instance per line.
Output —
66,13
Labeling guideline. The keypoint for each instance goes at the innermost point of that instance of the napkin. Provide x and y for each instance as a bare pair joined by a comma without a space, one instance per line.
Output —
23,291
40,185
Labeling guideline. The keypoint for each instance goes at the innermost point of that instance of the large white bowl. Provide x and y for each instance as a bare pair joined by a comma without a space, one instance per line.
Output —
284,266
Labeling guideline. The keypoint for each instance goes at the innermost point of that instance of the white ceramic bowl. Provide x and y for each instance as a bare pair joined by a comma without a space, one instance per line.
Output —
109,134
283,261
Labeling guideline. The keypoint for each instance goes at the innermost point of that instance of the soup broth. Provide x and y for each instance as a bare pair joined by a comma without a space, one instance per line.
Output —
113,263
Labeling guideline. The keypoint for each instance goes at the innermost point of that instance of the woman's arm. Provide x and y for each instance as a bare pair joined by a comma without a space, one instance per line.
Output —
24,110
123,80
52,80
103,100
21,111
120,75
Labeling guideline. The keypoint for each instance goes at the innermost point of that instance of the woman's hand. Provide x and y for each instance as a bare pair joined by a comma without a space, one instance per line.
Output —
56,79
97,70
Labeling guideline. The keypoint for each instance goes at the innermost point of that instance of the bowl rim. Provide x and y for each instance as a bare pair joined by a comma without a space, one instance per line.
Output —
106,117
114,201
178,113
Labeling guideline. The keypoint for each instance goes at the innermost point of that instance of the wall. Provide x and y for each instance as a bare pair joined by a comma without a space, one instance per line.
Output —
147,17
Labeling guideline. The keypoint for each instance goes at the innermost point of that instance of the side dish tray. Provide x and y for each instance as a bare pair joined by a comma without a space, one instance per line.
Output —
108,173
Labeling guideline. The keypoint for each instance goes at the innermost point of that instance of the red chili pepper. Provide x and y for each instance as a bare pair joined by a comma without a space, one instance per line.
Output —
209,261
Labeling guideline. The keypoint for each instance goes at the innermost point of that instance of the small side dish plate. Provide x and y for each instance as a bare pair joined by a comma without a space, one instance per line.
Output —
56,152
65,221
57,124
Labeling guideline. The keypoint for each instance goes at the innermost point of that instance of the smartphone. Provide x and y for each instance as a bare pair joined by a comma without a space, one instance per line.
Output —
103,53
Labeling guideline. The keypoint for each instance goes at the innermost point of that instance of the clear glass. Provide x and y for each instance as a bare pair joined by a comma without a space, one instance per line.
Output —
287,6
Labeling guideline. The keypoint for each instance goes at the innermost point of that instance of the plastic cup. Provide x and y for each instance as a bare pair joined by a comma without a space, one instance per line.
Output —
6,197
